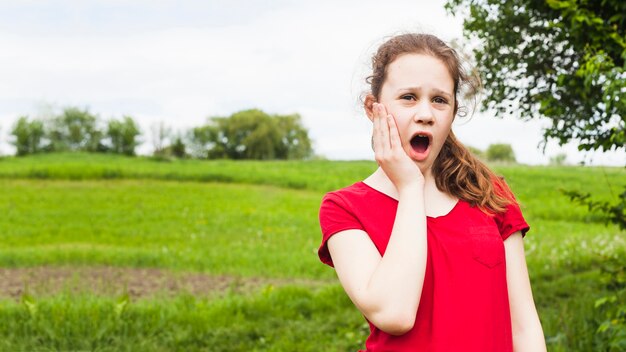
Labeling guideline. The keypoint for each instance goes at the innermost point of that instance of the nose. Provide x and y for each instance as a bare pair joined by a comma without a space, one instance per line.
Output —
423,114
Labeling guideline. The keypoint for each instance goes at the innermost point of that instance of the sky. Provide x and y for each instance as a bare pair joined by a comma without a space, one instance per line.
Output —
180,62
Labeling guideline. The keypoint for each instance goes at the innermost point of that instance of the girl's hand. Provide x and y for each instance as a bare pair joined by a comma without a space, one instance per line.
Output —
390,154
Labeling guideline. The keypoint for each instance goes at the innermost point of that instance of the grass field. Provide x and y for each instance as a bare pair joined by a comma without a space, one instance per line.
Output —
252,225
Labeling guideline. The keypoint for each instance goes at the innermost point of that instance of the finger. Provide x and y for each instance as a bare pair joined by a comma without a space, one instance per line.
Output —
394,134
384,128
376,134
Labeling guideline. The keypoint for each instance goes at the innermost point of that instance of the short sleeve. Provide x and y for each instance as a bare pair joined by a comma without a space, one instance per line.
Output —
335,216
511,220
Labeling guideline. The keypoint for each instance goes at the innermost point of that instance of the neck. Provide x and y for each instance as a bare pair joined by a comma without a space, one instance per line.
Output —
380,181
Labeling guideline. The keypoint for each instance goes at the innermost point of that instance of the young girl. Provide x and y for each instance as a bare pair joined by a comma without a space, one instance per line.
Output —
429,247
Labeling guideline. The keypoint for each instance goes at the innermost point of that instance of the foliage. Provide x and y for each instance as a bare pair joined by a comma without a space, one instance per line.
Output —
160,137
476,152
564,60
612,329
500,152
29,136
614,213
74,130
178,148
558,159
560,59
122,135
252,134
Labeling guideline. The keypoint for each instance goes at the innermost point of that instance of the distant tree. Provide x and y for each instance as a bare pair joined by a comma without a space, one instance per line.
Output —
178,148
203,143
476,152
296,143
500,152
558,159
74,130
122,135
160,137
253,134
28,136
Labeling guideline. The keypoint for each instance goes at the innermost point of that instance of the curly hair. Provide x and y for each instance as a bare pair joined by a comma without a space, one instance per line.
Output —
456,170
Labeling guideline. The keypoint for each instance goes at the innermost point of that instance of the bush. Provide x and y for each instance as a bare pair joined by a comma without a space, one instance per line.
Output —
500,152
476,152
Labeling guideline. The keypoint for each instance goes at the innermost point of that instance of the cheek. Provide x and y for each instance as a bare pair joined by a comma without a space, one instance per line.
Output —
402,116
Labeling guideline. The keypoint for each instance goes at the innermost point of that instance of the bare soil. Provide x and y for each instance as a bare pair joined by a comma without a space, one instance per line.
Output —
138,283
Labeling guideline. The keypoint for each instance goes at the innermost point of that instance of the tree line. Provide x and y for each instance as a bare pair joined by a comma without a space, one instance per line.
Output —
248,134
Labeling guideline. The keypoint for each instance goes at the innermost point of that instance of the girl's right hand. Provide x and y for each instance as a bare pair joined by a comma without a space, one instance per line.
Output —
390,154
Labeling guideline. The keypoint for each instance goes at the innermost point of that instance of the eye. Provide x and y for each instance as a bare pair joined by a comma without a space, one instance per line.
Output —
440,100
408,97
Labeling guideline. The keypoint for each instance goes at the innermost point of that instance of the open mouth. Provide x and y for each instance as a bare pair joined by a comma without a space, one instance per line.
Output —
420,143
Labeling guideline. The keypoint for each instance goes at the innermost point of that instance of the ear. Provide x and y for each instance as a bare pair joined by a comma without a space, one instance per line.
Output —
368,104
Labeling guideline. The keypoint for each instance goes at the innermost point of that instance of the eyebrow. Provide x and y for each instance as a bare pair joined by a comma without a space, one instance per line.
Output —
436,90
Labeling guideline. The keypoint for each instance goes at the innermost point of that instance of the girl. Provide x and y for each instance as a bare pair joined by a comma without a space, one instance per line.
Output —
429,247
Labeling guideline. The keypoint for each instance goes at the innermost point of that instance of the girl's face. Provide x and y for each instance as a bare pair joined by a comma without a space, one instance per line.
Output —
419,92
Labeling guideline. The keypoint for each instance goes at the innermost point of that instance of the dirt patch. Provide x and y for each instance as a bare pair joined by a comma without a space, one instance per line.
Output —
138,283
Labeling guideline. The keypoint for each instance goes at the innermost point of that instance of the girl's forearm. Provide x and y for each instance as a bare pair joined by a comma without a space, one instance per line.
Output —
395,286
529,339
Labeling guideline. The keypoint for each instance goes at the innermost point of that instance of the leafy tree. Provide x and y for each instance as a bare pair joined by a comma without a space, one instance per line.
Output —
203,142
564,60
295,138
559,59
28,136
178,148
122,135
500,152
75,130
252,134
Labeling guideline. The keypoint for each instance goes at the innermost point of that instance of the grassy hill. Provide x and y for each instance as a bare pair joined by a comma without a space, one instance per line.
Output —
255,224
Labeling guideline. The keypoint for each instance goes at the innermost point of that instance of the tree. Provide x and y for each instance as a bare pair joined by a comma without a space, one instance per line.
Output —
559,159
122,135
564,60
28,136
559,59
203,142
476,152
160,136
295,138
252,134
74,130
177,148
500,152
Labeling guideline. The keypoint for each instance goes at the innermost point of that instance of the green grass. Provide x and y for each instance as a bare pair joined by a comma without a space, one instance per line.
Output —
217,228
314,175
286,319
254,220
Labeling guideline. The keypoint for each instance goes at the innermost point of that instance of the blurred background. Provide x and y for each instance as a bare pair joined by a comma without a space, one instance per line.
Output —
162,164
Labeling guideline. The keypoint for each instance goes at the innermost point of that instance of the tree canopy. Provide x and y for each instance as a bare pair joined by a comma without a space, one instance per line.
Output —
559,59
74,130
252,134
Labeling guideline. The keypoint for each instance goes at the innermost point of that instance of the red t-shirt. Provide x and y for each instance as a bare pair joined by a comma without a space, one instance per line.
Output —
464,304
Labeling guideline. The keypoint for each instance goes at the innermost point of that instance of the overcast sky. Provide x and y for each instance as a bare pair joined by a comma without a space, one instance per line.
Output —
182,61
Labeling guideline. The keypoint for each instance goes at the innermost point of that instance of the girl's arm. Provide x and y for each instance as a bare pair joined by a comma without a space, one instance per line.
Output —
387,289
527,331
